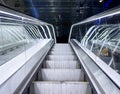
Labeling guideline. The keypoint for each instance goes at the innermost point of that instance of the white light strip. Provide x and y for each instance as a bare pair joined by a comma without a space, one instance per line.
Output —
106,14
53,32
10,14
49,31
44,31
9,18
34,20
70,33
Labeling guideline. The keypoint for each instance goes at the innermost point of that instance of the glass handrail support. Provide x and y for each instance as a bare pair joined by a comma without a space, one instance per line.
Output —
100,36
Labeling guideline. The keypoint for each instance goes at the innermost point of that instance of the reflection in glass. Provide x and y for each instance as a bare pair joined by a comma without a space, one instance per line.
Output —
103,41
16,38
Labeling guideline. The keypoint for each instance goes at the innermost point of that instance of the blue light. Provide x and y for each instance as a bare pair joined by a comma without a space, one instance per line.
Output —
97,22
108,3
34,10
103,20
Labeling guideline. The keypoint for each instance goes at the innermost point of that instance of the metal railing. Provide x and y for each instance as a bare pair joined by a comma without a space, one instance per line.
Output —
22,46
98,47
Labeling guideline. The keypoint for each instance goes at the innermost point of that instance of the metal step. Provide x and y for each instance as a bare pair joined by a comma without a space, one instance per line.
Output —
62,65
61,52
61,57
60,88
61,49
61,75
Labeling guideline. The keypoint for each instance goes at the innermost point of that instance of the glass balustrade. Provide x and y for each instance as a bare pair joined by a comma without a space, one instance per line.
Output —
19,32
101,35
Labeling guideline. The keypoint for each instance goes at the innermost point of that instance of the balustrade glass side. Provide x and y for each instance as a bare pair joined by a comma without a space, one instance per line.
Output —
102,37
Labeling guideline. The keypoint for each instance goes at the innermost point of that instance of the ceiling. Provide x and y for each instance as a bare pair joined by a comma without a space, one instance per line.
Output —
61,13
61,10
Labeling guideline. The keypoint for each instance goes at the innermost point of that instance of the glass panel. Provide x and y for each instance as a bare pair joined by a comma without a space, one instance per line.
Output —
101,40
19,32
18,37
39,35
46,31
42,30
100,36
77,33
12,39
51,31
116,57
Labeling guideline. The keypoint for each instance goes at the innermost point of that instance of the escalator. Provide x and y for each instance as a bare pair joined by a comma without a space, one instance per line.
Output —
32,63
61,73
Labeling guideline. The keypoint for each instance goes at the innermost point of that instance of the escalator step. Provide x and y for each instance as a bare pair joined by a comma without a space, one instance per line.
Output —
60,88
61,75
62,65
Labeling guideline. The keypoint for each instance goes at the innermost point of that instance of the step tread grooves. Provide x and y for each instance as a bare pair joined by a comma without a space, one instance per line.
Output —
61,74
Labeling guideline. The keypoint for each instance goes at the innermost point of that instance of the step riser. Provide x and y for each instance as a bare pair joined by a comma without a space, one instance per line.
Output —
59,49
62,65
61,52
61,46
62,55
61,88
51,57
61,75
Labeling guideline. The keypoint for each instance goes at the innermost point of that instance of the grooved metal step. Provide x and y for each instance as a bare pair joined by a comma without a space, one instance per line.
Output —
62,57
61,75
59,49
60,88
61,53
62,64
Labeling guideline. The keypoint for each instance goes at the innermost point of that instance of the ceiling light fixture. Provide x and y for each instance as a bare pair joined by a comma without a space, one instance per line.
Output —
100,1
